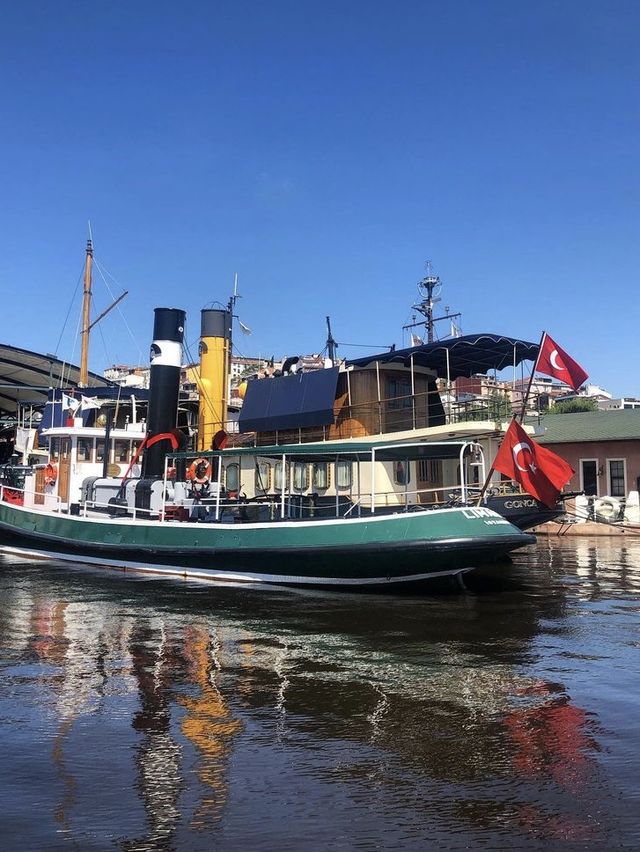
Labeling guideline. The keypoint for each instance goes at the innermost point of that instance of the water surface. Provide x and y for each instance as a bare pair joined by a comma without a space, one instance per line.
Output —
143,714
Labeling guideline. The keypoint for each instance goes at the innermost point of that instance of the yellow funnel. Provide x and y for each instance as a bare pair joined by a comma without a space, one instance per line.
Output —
215,352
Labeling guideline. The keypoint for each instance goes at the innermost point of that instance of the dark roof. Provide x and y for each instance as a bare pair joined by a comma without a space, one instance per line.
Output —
27,376
465,356
289,402
587,426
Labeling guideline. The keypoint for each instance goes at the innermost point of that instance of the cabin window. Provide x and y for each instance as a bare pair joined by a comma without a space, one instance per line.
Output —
263,476
400,395
300,476
54,449
617,486
278,475
121,451
84,450
343,474
428,470
100,451
402,472
232,477
321,475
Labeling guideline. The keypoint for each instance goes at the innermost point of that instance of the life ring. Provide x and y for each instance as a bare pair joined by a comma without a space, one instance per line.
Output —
607,508
51,474
199,471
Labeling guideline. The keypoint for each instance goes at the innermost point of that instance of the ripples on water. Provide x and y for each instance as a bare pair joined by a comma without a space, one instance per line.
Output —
149,715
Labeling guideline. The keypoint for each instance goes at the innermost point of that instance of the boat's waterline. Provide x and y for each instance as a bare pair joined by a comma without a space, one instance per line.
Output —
228,576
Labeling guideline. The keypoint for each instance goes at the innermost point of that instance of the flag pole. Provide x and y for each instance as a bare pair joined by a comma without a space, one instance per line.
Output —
533,371
515,416
491,469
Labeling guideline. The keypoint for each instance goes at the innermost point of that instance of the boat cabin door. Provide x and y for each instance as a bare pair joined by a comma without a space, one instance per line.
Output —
64,469
429,480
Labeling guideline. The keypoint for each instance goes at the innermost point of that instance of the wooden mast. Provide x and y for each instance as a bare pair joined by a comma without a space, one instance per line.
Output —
86,317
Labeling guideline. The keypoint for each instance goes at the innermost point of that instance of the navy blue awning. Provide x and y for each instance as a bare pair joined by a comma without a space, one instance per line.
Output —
289,402
460,356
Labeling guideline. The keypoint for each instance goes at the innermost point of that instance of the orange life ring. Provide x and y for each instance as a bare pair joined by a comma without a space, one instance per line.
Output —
51,474
199,471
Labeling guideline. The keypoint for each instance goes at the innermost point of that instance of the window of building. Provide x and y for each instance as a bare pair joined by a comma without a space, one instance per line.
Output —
300,476
84,450
321,475
589,477
617,486
343,474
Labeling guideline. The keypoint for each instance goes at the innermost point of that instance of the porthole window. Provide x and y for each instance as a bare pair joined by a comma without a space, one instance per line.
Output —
300,476
232,477
402,472
343,474
278,475
321,475
263,476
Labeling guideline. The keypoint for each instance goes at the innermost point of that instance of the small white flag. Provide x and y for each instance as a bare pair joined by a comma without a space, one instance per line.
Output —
415,340
244,328
70,403
89,403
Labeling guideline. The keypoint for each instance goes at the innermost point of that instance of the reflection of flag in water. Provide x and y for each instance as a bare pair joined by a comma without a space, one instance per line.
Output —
541,473
415,340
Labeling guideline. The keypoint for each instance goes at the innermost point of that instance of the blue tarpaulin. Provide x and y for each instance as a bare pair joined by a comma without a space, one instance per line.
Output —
289,402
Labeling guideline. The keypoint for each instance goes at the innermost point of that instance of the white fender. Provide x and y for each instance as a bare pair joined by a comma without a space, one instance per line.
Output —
607,508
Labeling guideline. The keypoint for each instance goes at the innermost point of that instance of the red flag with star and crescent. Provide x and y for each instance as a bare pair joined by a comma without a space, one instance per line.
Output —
554,361
541,473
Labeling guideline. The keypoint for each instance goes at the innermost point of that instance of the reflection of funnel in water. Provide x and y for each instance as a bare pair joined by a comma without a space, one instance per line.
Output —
208,724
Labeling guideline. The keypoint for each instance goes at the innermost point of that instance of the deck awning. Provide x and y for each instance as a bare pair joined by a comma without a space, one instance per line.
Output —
348,450
26,377
289,402
460,356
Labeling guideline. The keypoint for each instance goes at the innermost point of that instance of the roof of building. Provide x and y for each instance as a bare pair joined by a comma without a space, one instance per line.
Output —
584,426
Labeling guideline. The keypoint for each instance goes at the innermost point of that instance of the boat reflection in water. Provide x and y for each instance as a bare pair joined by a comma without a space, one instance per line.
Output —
148,716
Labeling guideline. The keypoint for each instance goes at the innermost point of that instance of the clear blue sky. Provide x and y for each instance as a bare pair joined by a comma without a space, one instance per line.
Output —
324,151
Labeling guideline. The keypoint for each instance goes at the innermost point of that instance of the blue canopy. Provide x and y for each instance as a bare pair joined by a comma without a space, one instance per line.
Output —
460,356
289,402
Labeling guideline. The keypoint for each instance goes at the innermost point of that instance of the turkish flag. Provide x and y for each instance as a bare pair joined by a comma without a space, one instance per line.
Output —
541,473
554,361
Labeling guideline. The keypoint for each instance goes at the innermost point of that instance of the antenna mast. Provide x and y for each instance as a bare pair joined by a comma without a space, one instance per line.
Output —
331,344
86,317
429,289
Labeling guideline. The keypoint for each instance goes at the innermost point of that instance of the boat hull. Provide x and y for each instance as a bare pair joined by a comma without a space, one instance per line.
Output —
523,511
373,551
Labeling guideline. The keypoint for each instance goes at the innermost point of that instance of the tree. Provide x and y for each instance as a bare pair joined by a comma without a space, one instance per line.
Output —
572,406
